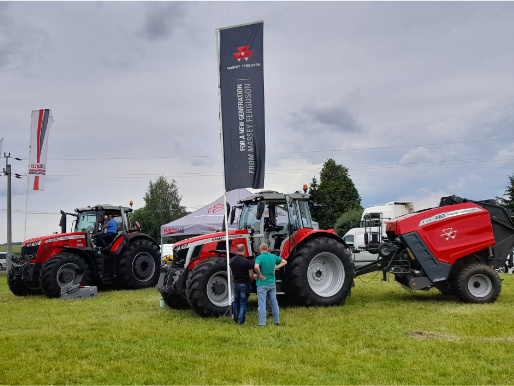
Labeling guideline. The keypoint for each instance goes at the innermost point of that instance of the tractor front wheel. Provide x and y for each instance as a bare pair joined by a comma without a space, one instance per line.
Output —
63,271
207,287
139,265
321,273
175,301
477,283
19,287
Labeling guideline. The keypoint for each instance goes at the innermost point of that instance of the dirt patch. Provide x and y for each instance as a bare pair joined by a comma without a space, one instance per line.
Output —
432,335
451,338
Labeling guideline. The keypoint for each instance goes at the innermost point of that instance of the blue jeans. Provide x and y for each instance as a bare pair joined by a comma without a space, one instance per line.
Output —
267,291
239,306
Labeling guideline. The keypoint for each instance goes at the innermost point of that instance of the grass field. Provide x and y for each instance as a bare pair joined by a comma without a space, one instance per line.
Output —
383,335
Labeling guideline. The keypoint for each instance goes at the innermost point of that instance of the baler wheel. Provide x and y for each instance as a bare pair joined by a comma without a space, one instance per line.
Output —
477,283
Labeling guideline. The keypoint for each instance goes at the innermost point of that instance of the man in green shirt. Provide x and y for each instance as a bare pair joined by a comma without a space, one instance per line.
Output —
265,265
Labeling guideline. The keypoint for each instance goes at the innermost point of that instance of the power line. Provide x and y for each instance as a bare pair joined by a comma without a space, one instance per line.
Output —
284,153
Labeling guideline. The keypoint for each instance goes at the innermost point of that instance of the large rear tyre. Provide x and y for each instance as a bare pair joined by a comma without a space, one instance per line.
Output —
63,271
477,283
139,265
321,273
207,287
21,288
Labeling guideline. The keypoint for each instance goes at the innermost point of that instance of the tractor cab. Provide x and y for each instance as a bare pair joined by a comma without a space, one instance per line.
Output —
272,217
90,220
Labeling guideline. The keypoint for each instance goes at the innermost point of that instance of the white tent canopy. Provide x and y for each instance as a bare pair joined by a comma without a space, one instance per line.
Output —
208,219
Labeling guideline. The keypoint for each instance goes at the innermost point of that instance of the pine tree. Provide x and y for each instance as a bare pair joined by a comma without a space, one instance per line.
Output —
162,205
507,200
336,193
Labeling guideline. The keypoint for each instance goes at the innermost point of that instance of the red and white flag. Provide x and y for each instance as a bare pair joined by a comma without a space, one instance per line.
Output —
40,127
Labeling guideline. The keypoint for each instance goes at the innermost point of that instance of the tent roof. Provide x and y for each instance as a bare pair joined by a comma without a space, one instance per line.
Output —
206,220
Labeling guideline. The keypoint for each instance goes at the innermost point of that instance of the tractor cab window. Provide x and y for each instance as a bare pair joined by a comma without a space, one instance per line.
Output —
86,222
248,219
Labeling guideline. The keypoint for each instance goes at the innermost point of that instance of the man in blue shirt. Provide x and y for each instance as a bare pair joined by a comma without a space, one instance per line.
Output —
265,265
103,239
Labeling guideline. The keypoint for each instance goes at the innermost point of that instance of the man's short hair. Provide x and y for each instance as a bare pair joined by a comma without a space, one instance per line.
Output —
263,247
240,247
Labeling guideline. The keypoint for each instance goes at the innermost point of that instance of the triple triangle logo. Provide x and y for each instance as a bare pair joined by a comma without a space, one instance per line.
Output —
243,53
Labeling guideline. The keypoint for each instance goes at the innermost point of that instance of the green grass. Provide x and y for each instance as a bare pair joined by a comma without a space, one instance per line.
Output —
16,249
383,335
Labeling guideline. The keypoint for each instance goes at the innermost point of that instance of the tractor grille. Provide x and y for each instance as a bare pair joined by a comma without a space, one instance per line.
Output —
179,257
29,253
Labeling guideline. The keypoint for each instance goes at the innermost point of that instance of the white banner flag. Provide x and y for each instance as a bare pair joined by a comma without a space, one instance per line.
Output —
40,127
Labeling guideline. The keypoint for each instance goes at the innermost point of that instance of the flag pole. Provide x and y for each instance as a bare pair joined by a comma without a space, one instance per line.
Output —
227,244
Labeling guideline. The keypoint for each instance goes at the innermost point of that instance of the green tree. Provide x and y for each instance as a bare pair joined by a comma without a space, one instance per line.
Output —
336,193
507,200
162,205
348,220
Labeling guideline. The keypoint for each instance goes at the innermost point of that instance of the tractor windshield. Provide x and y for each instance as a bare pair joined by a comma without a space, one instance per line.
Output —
85,222
248,219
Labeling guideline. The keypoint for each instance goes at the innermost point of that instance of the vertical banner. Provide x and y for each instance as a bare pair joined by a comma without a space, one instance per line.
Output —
40,126
241,82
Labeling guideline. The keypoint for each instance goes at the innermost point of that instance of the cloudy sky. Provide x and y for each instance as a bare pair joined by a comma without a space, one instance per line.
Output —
416,99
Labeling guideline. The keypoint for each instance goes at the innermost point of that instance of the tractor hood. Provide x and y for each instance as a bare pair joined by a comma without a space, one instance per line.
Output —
48,245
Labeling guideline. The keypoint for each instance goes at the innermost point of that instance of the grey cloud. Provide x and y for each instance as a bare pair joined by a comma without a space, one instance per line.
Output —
162,19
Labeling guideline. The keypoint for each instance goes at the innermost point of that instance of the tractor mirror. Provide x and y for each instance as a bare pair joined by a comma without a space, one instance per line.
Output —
232,215
62,223
260,209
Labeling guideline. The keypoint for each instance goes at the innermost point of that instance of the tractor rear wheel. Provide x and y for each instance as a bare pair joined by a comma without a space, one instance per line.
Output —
207,287
477,283
19,287
321,273
139,265
62,271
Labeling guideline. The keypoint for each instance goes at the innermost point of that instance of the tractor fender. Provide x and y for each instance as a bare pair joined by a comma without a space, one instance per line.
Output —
304,235
117,247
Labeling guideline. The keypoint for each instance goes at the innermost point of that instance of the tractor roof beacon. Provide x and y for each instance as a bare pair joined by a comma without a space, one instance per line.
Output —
319,272
58,263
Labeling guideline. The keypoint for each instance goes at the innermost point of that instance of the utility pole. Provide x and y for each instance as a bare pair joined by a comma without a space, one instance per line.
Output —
8,173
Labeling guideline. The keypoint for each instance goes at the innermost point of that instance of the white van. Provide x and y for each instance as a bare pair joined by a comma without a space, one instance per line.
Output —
3,260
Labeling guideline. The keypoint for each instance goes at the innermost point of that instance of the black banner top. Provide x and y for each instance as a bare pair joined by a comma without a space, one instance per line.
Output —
242,105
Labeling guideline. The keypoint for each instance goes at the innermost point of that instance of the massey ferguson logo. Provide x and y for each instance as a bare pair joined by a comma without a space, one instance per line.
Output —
448,234
243,53
216,208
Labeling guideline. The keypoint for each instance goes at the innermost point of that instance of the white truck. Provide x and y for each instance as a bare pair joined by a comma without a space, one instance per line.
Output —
364,240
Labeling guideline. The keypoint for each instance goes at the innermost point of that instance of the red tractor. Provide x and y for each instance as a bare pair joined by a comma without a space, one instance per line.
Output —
319,270
59,263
